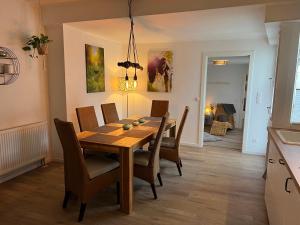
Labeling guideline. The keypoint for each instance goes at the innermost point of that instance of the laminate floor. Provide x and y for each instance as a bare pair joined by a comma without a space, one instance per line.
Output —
218,187
232,140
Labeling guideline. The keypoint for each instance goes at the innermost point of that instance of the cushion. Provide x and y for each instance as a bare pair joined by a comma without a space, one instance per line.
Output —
97,165
169,142
142,157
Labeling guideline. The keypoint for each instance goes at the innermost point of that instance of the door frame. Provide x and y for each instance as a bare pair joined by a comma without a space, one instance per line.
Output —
249,94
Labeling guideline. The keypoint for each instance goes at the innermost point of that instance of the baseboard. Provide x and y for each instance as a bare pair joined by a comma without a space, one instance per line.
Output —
20,171
59,160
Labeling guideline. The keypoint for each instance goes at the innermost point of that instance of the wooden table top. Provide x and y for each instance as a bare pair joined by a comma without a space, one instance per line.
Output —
113,134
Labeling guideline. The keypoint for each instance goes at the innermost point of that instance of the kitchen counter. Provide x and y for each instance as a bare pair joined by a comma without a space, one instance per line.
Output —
291,155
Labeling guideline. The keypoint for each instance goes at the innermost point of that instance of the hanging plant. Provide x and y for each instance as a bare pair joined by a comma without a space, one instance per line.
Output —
37,45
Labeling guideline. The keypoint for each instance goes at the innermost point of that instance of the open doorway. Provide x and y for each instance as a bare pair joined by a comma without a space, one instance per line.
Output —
225,101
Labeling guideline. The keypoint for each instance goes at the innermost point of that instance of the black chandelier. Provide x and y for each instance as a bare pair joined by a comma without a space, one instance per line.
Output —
132,50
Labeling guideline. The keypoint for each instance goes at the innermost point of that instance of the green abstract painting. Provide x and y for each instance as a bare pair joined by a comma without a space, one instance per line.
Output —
95,77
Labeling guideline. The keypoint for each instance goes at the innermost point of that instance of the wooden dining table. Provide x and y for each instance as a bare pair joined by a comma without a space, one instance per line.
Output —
113,138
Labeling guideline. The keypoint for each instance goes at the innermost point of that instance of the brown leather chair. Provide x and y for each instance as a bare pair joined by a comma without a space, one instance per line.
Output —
169,148
109,112
87,118
159,108
83,177
146,163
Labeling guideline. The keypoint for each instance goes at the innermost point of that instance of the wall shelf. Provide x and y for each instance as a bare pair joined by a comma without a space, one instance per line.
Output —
11,60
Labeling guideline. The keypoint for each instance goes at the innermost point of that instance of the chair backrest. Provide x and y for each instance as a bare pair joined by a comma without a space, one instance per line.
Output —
159,108
87,118
75,170
109,112
154,157
182,122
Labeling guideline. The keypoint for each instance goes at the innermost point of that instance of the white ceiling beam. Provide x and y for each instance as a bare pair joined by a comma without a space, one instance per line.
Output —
283,12
63,11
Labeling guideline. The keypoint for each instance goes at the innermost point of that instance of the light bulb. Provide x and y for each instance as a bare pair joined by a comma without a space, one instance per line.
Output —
134,84
135,80
126,81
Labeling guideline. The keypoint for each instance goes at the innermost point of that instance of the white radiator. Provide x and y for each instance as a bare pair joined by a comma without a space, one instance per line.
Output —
22,146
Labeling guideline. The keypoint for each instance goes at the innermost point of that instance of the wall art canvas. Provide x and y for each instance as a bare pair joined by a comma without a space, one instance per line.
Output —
160,71
95,77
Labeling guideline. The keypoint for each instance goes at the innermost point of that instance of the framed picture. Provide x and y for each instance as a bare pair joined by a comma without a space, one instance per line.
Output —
95,75
160,71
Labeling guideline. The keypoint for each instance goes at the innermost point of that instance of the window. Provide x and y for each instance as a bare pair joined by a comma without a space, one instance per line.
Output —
295,116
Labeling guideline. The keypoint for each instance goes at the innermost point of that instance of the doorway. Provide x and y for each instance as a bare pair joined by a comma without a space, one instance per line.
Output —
225,98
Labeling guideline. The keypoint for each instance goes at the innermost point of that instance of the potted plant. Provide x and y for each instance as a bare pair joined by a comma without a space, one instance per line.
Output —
37,43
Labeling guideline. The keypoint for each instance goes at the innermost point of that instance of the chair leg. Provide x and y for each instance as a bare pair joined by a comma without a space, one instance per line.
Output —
180,162
118,192
154,191
159,179
82,211
66,199
178,167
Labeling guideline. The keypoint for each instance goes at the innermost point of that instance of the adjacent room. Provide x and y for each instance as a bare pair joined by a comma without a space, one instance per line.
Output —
150,112
226,95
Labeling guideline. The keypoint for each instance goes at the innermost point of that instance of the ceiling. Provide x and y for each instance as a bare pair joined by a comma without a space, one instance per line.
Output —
216,24
236,60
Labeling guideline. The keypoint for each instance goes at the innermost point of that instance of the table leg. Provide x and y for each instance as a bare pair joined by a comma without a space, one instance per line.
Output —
173,131
126,160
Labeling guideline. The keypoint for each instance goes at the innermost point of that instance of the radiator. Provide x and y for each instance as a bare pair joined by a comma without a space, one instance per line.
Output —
22,146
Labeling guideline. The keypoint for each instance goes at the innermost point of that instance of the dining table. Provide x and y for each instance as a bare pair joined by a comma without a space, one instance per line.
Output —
113,138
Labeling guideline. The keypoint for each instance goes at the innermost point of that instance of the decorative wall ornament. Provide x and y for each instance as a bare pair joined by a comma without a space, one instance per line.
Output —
160,71
95,73
9,66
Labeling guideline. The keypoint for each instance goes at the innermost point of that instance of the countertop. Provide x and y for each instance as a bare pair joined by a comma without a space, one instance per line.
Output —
290,153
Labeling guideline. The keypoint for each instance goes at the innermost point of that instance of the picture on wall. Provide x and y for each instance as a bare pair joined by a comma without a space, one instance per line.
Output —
160,71
95,77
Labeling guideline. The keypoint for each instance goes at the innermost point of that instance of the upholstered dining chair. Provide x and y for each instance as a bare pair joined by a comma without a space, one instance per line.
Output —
159,108
146,163
109,112
169,148
87,121
83,177
87,118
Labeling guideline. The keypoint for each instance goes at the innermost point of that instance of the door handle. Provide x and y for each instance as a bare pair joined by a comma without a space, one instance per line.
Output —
286,185
271,161
281,161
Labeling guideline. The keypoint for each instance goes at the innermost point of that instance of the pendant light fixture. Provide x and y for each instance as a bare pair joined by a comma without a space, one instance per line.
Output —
131,51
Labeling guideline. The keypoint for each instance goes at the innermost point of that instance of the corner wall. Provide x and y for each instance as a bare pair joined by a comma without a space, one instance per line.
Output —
286,73
75,73
26,100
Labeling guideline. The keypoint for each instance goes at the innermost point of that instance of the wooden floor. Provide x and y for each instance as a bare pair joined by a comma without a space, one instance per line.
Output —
218,187
232,140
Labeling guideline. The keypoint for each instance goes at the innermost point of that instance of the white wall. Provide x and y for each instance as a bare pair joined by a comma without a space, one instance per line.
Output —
25,101
285,79
186,89
75,73
225,84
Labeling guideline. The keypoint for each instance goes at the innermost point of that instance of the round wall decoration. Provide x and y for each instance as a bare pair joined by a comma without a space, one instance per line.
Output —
9,66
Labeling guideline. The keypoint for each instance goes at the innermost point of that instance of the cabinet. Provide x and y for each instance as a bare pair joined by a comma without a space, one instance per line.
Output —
281,194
